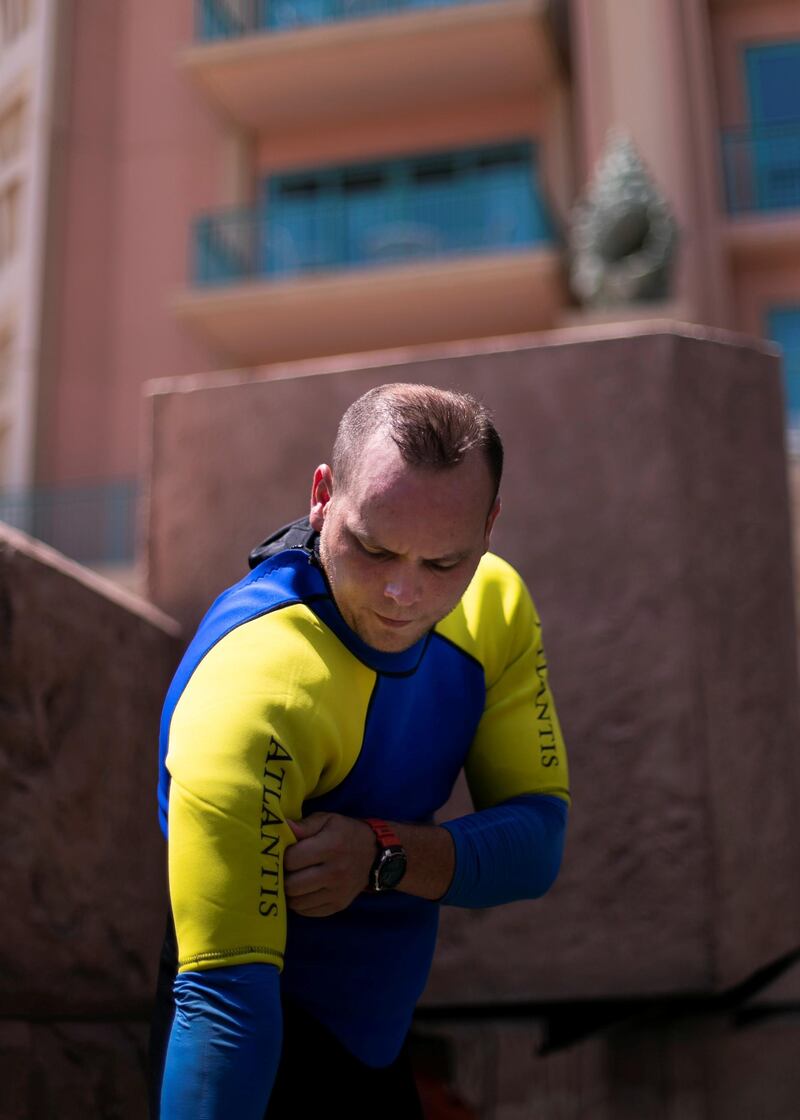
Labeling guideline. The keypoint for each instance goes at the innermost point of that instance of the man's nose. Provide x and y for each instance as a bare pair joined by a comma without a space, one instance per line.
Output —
402,589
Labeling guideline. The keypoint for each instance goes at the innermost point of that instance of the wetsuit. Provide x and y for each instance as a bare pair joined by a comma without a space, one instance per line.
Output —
279,710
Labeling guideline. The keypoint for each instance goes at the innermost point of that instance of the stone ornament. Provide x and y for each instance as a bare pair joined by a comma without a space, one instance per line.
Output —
622,233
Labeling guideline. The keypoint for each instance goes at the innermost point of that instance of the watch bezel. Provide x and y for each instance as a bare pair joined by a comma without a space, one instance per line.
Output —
388,860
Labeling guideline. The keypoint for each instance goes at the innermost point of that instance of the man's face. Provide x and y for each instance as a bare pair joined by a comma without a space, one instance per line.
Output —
400,544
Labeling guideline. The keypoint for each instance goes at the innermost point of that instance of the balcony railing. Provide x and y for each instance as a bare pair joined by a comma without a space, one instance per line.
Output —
247,245
91,523
762,168
231,19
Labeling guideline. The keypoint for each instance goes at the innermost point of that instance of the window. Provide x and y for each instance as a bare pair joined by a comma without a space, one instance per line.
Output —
773,83
12,123
783,326
15,17
773,87
9,221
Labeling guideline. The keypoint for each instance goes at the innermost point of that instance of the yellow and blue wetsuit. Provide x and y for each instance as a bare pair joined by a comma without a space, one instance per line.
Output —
279,710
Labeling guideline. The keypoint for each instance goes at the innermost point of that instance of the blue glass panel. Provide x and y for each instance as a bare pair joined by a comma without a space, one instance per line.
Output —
300,231
371,206
225,248
514,212
783,326
297,13
423,207
223,19
773,84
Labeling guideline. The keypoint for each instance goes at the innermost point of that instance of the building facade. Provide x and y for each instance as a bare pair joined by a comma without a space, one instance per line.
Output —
28,38
211,185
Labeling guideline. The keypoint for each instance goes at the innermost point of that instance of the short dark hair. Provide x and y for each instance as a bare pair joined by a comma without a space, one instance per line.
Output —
431,427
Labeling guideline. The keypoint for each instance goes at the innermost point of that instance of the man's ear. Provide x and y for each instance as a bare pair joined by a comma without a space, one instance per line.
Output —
321,493
490,520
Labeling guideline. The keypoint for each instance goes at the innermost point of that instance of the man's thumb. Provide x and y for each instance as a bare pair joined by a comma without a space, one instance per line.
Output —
310,826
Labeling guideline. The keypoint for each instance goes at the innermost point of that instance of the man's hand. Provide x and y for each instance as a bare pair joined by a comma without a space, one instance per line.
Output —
329,865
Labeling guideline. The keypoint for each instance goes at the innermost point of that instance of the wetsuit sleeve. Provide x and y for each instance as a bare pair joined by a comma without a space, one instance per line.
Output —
516,768
518,747
509,852
224,1044
248,743
236,775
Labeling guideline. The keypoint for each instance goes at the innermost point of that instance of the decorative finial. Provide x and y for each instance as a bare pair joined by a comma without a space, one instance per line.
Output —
622,233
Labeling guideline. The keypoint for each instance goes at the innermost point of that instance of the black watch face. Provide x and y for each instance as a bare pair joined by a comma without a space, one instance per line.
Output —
392,871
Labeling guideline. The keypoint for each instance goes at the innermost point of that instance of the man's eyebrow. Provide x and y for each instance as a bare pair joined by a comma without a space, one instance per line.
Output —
367,538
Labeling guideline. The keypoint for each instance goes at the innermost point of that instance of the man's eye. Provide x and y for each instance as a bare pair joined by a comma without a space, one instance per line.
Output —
438,567
377,553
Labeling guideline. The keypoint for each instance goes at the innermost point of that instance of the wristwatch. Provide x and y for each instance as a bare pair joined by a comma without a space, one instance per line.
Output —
390,863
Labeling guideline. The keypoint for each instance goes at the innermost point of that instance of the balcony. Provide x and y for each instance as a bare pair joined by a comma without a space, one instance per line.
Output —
93,523
279,68
231,19
367,216
762,185
332,281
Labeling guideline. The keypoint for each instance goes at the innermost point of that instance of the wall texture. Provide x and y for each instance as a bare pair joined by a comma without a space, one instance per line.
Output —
83,671
646,505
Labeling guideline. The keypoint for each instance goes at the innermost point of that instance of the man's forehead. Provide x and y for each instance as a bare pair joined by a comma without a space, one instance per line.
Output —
381,471
437,512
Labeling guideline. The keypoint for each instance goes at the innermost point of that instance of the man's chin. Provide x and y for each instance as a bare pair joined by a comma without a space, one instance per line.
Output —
386,638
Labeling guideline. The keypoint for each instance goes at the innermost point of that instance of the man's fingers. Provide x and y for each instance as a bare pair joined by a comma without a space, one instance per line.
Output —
319,912
324,869
308,826
317,904
299,883
305,853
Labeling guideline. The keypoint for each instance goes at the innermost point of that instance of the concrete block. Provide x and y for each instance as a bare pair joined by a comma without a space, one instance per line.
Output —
73,1070
83,671
646,504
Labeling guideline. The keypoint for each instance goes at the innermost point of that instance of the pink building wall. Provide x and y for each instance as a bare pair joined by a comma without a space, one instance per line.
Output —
471,124
141,154
735,27
77,345
757,289
139,159
768,273
644,68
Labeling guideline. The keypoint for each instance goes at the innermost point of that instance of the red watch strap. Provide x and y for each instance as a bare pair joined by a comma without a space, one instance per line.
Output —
386,837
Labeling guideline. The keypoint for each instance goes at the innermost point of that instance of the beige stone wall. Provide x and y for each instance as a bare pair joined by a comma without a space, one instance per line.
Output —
73,1070
646,505
658,1064
83,671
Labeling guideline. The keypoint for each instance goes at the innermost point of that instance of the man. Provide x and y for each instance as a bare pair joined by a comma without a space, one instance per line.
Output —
318,720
